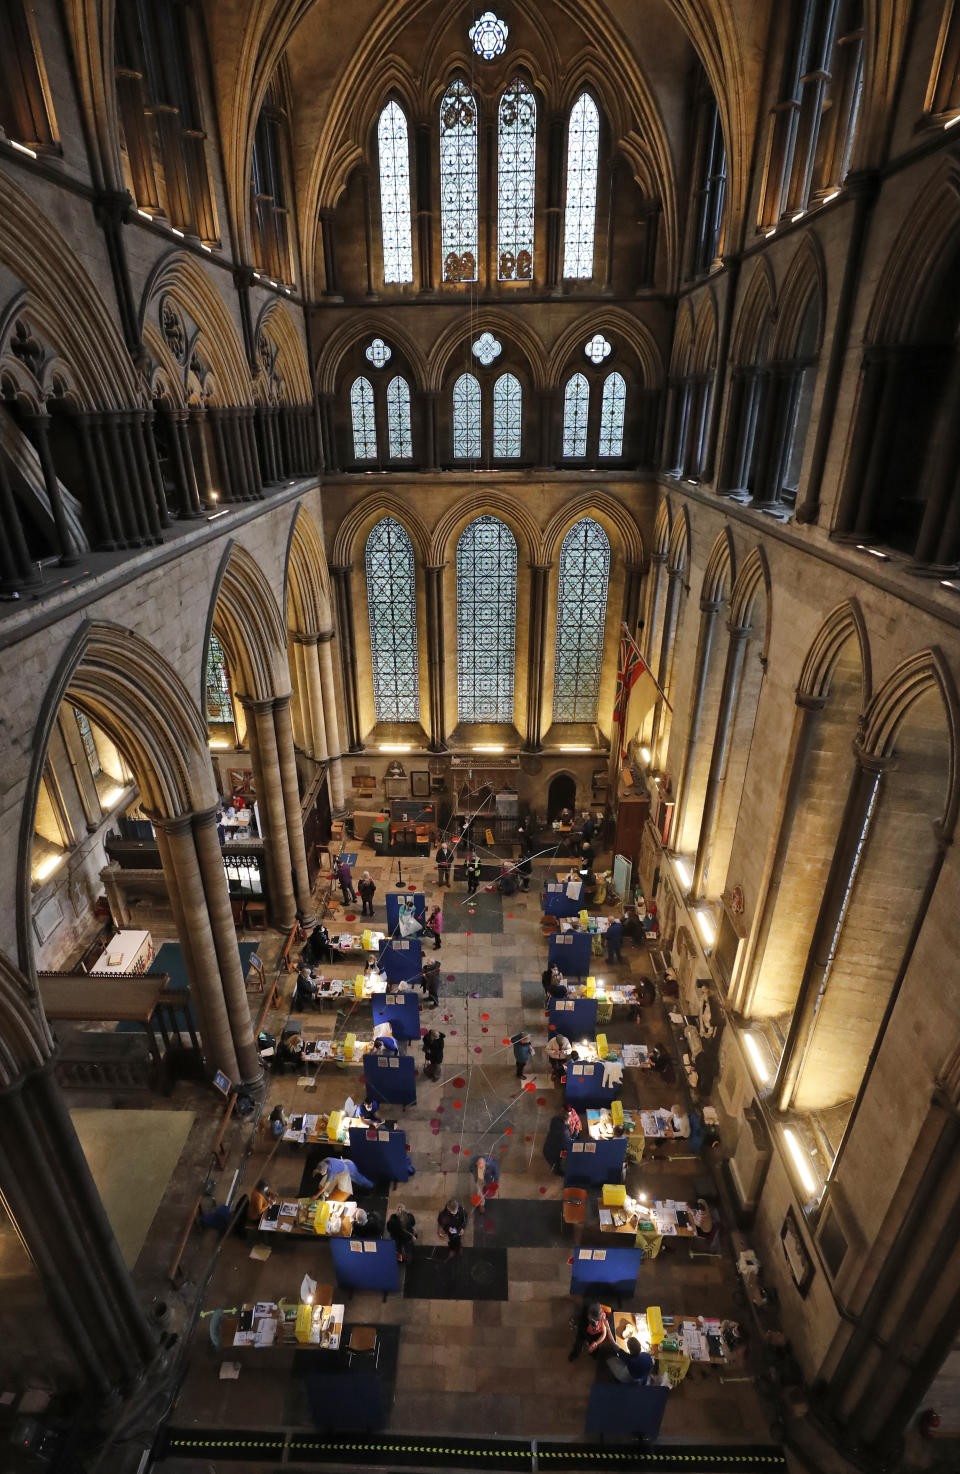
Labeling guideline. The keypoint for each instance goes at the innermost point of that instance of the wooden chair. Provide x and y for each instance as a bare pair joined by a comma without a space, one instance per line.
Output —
574,1212
364,1342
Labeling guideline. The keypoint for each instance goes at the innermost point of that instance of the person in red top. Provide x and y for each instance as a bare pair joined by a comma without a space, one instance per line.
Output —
435,926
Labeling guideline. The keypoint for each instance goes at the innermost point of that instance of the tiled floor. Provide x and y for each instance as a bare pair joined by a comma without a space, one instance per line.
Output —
466,1366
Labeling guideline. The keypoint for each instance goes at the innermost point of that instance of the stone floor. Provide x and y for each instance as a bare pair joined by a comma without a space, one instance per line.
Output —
462,1366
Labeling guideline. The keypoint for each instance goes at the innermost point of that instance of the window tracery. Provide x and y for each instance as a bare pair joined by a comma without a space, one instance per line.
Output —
459,233
393,148
507,417
580,214
399,432
363,420
612,410
516,181
219,698
392,612
486,621
576,410
466,419
584,579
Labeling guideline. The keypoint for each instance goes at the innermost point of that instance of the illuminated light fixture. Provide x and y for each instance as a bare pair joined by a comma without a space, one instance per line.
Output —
683,871
214,496
205,247
770,232
799,216
21,148
396,747
948,583
800,1160
48,865
874,552
112,797
272,283
645,755
575,747
145,213
256,276
760,1068
948,124
488,747
641,1197
176,232
706,926
834,193
219,744
223,512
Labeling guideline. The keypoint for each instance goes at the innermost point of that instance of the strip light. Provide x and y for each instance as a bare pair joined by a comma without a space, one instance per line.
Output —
645,755
706,926
801,1161
396,747
487,747
684,873
48,865
760,1067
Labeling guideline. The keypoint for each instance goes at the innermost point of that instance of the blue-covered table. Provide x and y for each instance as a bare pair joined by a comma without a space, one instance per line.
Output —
391,1078
380,1154
595,1270
400,1010
592,1163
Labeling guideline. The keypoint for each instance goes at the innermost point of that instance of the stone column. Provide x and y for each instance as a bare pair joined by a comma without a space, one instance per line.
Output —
674,584
539,573
423,143
314,701
808,709
181,868
657,561
150,446
364,174
153,493
546,400
40,424
132,512
142,494
183,463
632,585
99,499
431,430
435,656
299,711
733,670
101,472
328,238
341,578
330,716
708,617
233,985
838,892
228,493
306,914
262,741
16,569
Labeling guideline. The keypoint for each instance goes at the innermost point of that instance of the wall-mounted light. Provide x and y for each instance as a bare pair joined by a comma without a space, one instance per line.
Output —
799,216
760,1067
145,213
801,1161
645,756
176,232
770,232
575,747
47,866
21,148
396,747
950,123
706,926
683,872
874,552
487,747
834,194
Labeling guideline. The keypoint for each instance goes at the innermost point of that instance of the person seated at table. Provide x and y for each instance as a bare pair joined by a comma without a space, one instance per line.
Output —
451,1222
651,925
658,1059
289,1052
402,1228
339,1174
566,818
593,1331
551,976
260,1199
370,1111
703,1218
559,1050
367,1225
679,1121
385,1044
557,988
305,992
640,1364
278,1122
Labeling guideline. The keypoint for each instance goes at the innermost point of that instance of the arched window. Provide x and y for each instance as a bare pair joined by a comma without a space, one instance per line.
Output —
516,181
580,215
486,621
364,420
219,699
392,608
612,408
26,115
399,434
576,407
466,419
507,417
270,234
89,741
581,620
458,184
393,146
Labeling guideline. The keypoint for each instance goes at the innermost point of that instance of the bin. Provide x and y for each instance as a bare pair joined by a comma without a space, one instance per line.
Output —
380,835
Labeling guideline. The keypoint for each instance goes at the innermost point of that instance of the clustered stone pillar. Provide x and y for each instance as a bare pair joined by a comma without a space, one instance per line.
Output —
733,670
708,617
197,885
435,656
274,830
348,654
294,813
674,585
539,574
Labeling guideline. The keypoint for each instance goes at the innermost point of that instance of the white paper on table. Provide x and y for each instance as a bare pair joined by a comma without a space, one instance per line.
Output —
244,1338
266,1332
308,1287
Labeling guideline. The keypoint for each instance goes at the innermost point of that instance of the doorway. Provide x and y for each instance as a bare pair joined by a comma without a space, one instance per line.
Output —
562,794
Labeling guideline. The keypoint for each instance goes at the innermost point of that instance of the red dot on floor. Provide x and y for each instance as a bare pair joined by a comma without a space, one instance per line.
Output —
509,915
530,1087
452,1033
528,1138
570,1260
458,1083
423,1033
451,977
455,1150
476,1047
506,1041
350,916
484,1016
465,1152
484,1031
503,1148
411,887
476,1200
541,1100
440,1110
458,1105
508,1130
469,933
543,1190
435,1123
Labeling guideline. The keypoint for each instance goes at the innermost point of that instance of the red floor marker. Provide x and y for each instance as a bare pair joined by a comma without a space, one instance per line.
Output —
452,1033
465,1152
528,1138
530,1086
476,1047
469,933
543,1190
455,1150
458,1083
509,915
506,1041
484,1031
508,1130
451,977
458,1105
440,1110
435,1123
541,1100
350,916
485,1017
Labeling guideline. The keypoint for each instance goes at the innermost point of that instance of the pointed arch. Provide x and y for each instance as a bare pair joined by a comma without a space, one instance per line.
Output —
583,582
486,564
612,515
391,585
289,358
576,416
921,674
26,1042
245,617
363,421
307,595
703,356
607,320
681,352
179,276
753,578
721,570
844,622
750,341
926,241
516,180
678,552
393,161
662,525
581,188
358,327
454,342
505,508
804,288
361,517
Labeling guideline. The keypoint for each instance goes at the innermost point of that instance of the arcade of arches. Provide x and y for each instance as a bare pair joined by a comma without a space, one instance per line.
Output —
361,378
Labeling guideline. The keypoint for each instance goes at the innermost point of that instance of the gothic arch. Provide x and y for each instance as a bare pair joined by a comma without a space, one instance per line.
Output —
805,282
681,354
607,320
841,623
679,549
245,618
704,347
455,338
721,570
354,330
364,514
756,313
931,228
307,583
753,578
179,277
922,673
287,357
25,1039
495,504
613,517
661,527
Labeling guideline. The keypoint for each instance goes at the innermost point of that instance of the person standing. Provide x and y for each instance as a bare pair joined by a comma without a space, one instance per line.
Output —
435,926
345,882
367,889
488,1180
430,983
525,870
473,874
559,1050
444,863
433,1053
451,1222
614,941
522,1050
402,1228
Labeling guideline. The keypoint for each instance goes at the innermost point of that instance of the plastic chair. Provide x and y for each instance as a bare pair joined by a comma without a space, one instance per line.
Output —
364,1341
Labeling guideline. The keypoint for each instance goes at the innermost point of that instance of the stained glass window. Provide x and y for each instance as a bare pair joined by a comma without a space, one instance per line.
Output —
399,434
89,742
392,607
507,416
489,35
486,621
516,181
364,420
581,618
458,183
487,348
580,215
394,153
377,353
612,409
466,419
597,349
219,703
576,407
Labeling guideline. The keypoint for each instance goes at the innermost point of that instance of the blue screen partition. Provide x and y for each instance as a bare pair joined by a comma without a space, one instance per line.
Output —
391,1078
365,1264
604,1269
575,1018
626,1412
380,1154
592,1163
400,1010
584,1086
571,951
556,902
402,961
404,900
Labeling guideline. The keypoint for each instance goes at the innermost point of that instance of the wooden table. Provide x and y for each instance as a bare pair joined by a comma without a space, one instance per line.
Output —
326,1327
600,1123
300,1213
689,1332
314,1130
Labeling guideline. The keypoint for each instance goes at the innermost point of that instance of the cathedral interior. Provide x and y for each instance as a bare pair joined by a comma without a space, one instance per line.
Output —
432,424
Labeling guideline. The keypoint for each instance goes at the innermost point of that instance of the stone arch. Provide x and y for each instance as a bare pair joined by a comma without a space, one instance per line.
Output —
497,504
923,674
844,620
611,514
456,337
753,577
681,355
704,346
361,518
282,360
929,233
245,617
25,1039
721,570
755,316
679,548
661,527
804,284
208,327
353,331
607,320
307,583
